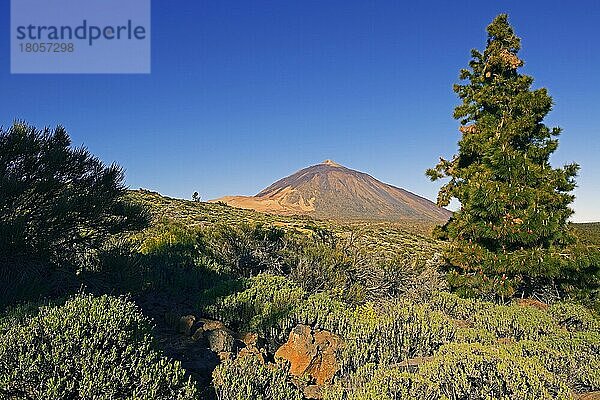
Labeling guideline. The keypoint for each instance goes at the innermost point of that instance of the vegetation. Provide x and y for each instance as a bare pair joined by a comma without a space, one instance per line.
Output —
511,231
410,323
248,378
58,206
90,347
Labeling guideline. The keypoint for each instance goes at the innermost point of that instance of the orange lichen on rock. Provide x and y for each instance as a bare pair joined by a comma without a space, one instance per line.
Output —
311,354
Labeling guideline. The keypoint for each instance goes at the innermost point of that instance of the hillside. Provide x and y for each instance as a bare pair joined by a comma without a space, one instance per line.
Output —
381,236
331,191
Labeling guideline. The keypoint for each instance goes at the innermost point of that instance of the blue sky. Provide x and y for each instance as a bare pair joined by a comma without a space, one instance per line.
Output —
245,92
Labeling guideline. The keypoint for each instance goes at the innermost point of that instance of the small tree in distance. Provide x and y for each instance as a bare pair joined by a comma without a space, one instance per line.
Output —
512,226
196,196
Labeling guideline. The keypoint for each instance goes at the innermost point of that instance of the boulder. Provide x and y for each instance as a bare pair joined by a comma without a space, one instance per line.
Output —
185,324
220,340
198,334
210,325
311,354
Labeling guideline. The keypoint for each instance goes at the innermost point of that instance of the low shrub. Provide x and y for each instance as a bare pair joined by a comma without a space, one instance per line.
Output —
574,317
574,356
455,306
387,333
474,335
266,304
91,347
516,322
393,333
475,371
372,383
245,250
248,378
458,372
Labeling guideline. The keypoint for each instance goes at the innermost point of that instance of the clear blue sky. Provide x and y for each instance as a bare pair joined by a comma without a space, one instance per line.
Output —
245,92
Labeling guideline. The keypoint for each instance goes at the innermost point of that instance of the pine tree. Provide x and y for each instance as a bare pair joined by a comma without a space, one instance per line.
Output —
512,226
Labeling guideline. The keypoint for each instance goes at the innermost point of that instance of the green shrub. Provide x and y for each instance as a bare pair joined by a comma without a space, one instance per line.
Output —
58,206
474,335
266,304
516,322
575,356
91,347
393,333
322,311
384,383
455,306
389,333
474,371
245,250
248,378
574,317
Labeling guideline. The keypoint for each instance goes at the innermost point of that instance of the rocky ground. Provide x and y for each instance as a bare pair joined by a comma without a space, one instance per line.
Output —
200,344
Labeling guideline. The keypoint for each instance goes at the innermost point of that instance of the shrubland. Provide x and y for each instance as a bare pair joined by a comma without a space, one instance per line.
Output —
501,303
88,347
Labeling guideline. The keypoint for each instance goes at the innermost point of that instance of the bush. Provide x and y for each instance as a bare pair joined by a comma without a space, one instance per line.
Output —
267,303
169,258
574,317
574,356
474,371
372,383
58,205
272,306
458,372
245,250
248,378
455,306
348,267
392,333
516,322
91,347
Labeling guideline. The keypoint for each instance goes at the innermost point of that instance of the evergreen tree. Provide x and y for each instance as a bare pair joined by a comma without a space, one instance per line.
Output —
512,226
58,204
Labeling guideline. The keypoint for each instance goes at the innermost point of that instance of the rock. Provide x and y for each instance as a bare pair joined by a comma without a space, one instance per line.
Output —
588,396
310,354
249,339
220,340
185,324
198,335
327,344
252,350
210,325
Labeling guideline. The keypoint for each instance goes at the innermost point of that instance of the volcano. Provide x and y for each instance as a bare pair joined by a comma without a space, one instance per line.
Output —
331,191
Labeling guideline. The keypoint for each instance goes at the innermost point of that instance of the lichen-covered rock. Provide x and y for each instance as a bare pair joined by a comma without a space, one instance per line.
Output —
311,354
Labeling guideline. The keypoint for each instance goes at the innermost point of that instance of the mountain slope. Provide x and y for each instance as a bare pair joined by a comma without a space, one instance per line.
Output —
330,190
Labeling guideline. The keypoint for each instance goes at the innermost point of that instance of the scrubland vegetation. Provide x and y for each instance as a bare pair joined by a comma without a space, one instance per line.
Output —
85,264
